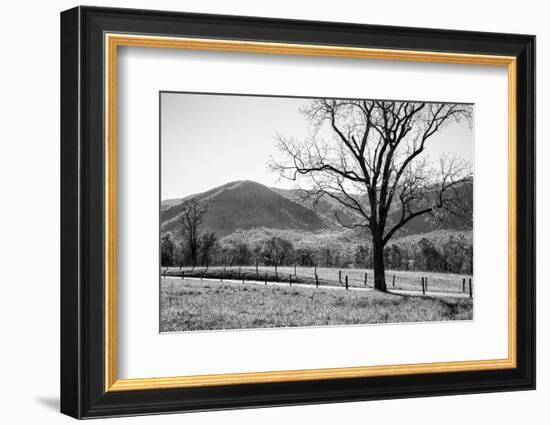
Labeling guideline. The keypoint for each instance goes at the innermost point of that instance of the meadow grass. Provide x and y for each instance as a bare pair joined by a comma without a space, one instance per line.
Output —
191,304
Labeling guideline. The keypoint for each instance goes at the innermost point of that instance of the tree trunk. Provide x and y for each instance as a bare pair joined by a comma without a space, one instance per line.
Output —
193,256
378,265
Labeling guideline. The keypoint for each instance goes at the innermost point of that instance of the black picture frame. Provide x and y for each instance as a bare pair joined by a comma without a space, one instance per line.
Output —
83,392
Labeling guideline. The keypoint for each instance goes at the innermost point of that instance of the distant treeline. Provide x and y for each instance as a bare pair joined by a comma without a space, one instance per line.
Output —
439,251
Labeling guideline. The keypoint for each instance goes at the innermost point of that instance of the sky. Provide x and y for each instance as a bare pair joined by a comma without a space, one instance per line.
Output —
209,140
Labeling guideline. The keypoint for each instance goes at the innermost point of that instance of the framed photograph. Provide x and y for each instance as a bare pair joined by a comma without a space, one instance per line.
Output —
261,212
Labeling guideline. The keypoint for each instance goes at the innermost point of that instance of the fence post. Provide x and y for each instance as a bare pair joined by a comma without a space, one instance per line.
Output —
365,279
265,279
340,276
426,282
463,284
470,284
316,279
182,275
346,282
256,267
290,279
393,283
423,288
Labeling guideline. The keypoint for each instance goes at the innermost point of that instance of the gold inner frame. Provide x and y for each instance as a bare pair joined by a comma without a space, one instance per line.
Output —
113,41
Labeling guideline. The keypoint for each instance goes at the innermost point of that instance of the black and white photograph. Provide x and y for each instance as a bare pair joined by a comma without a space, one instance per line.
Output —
292,212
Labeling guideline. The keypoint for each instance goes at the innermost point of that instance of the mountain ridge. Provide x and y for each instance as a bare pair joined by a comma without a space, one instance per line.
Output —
246,204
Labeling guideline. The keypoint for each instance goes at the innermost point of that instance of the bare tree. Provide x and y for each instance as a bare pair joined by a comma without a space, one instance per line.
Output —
191,218
208,247
182,248
167,247
372,164
277,250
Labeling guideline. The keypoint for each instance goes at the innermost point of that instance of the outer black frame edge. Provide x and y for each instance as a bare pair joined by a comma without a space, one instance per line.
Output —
526,209
70,347
82,203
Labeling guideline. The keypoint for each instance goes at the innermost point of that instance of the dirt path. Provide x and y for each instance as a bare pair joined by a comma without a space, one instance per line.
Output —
430,293
335,288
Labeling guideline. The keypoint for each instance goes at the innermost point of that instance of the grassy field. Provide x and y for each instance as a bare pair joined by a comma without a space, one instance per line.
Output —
408,280
191,304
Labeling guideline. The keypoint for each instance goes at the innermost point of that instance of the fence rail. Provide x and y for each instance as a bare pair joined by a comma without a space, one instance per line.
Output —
318,276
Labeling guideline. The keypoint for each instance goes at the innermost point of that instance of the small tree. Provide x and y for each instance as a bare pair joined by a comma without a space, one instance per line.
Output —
208,247
305,257
191,219
182,250
167,247
362,257
277,250
395,256
456,253
325,256
432,258
257,254
468,265
241,254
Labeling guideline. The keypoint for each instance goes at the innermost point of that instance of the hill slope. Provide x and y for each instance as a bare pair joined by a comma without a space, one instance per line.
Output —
325,206
246,205
329,208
